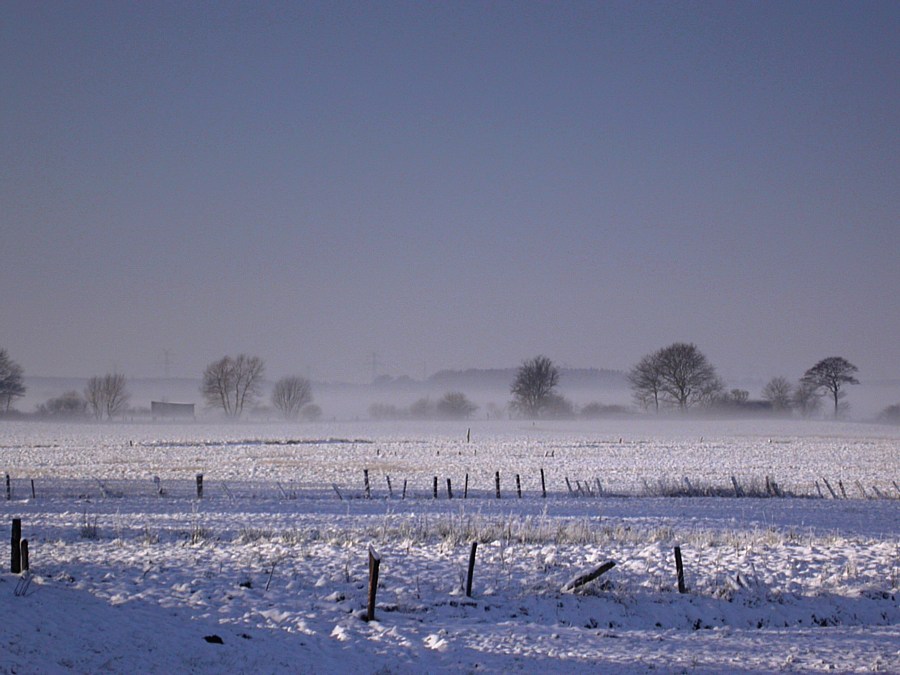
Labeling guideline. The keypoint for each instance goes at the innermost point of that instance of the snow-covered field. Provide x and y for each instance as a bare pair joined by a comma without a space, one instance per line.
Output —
269,571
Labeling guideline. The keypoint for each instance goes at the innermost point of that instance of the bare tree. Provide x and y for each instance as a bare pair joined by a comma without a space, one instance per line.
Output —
93,394
534,384
67,405
806,399
646,382
831,374
890,415
291,394
107,396
778,393
233,382
678,374
11,383
455,405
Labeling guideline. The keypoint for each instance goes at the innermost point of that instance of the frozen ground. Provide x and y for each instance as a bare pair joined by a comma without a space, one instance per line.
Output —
272,563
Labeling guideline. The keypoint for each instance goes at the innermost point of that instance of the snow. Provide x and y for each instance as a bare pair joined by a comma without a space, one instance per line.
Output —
269,571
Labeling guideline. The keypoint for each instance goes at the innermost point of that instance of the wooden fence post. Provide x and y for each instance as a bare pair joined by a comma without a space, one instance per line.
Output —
434,489
374,564
497,483
24,554
568,485
466,488
518,486
471,569
366,483
8,488
582,579
449,490
679,570
199,486
390,491
543,485
15,565
404,489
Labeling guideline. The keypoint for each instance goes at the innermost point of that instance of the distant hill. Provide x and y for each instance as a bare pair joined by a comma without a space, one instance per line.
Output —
494,378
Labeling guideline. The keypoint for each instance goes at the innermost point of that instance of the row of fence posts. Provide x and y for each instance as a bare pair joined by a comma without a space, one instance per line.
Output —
772,488
434,487
19,563
570,586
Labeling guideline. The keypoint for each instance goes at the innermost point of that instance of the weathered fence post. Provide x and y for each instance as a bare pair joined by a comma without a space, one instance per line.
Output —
518,486
471,569
15,565
497,483
737,488
366,483
449,490
390,491
33,494
199,486
568,485
374,563
469,435
543,485
434,488
404,490
830,489
679,570
8,488
582,579
466,488
24,554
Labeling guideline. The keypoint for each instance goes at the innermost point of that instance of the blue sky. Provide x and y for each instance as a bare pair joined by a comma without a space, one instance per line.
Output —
448,185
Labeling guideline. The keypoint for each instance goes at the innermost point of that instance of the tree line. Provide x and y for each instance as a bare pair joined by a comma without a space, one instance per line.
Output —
681,377
676,377
231,384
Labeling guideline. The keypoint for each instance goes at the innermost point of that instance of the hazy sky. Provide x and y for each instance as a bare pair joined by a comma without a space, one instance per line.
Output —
448,185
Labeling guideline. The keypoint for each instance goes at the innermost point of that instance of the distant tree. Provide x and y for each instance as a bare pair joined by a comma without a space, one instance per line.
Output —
422,409
647,381
831,375
232,383
679,375
738,396
291,394
11,381
455,405
558,407
806,399
778,393
596,410
107,395
68,405
890,415
534,384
